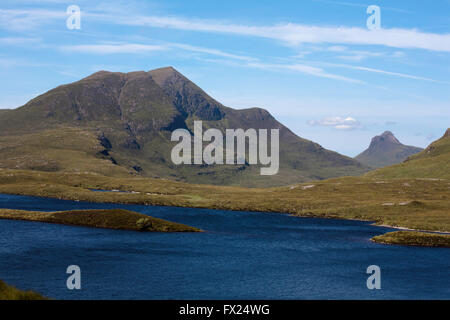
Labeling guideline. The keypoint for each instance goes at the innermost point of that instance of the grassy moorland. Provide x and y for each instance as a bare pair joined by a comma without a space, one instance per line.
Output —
413,195
111,219
8,292
411,203
411,238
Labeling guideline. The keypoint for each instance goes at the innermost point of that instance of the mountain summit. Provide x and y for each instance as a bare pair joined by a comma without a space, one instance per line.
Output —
385,150
386,137
116,123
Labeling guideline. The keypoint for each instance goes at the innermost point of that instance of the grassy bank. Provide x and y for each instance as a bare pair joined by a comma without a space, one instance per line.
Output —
8,292
411,203
412,238
111,219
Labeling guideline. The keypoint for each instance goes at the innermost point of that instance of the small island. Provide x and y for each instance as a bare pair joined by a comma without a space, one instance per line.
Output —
108,218
414,238
8,292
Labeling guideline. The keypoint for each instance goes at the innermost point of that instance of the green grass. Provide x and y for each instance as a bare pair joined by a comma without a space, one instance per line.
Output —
111,219
8,292
433,162
411,238
411,203
413,195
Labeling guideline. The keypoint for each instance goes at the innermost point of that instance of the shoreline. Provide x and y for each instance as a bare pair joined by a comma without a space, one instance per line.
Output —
347,198
309,215
414,238
118,219
409,229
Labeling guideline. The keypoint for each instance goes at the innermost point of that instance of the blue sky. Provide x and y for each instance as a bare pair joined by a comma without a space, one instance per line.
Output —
313,63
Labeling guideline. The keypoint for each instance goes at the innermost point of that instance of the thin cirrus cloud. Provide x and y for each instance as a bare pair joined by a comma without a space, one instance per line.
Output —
113,48
361,5
313,71
288,33
248,61
211,51
26,19
380,71
19,41
339,123
296,34
300,68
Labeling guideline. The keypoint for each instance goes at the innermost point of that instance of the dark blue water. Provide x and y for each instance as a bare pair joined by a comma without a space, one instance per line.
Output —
243,255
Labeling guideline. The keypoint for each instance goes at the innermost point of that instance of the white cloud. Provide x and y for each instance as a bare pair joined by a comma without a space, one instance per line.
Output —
337,48
296,34
339,123
19,40
395,74
26,19
313,71
289,33
361,5
301,68
211,51
113,48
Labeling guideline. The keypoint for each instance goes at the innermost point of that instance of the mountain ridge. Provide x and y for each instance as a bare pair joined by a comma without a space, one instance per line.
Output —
124,121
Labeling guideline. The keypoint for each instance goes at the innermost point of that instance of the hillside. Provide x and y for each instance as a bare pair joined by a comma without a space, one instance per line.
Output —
8,292
433,162
119,124
385,150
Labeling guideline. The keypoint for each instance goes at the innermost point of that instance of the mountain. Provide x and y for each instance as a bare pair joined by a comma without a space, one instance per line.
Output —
433,162
115,123
386,150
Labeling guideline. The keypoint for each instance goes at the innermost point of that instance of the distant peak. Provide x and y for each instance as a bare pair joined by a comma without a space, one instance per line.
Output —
386,136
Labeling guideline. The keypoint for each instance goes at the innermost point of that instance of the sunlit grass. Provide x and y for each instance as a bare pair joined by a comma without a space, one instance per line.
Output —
8,292
110,218
412,238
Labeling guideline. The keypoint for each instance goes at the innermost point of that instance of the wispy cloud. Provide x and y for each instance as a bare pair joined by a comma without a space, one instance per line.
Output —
19,41
361,5
211,51
339,123
295,67
296,34
345,53
26,19
380,71
313,71
113,48
288,33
